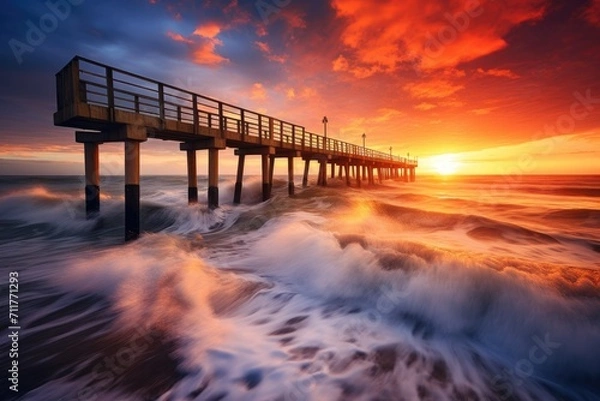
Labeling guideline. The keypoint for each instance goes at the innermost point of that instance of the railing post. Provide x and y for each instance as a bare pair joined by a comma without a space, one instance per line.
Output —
110,93
221,121
260,133
195,111
303,137
294,136
161,101
243,120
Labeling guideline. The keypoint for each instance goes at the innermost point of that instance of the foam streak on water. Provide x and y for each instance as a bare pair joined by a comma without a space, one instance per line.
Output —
464,289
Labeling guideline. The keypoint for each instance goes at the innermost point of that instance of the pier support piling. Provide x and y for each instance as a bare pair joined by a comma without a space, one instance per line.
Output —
92,179
265,177
322,173
291,187
271,172
347,168
192,177
132,190
213,178
237,196
306,170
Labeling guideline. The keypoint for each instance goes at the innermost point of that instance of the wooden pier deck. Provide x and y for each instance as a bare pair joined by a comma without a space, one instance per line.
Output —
113,105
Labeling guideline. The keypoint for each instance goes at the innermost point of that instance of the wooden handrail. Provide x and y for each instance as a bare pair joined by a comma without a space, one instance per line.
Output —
193,107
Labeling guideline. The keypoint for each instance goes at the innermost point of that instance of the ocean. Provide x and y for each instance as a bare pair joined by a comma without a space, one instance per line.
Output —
448,288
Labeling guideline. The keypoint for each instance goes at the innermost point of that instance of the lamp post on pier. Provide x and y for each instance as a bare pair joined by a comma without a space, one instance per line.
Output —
325,121
364,137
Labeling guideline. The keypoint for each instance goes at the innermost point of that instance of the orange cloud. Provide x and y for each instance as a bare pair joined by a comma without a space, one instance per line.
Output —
203,43
341,64
497,72
266,50
483,111
592,13
425,106
205,53
258,92
178,37
209,30
432,89
436,35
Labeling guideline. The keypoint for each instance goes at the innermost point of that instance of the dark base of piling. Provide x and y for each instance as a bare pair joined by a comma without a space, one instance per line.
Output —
92,201
266,188
192,195
213,197
132,212
237,195
291,189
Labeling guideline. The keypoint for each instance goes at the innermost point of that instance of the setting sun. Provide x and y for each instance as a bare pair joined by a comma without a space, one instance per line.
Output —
445,164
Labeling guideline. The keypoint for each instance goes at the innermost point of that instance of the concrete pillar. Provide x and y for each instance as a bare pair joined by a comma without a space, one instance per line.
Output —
92,179
340,171
265,177
306,170
192,177
213,178
358,177
271,172
364,172
332,170
237,196
291,176
347,168
323,172
320,174
132,190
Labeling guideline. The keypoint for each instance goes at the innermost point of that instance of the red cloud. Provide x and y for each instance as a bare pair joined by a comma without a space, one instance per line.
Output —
497,72
432,89
432,35
592,13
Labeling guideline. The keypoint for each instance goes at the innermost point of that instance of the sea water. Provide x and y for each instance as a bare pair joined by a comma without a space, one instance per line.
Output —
461,288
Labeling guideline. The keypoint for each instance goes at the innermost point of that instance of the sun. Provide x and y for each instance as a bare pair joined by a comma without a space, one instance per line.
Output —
445,164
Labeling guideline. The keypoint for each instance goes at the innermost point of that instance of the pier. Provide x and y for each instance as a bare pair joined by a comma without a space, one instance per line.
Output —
111,105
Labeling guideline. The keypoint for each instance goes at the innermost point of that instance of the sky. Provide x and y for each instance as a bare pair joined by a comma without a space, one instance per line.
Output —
506,87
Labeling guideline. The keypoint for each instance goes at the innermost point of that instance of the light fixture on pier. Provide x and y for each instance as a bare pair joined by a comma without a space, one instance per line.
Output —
364,137
325,121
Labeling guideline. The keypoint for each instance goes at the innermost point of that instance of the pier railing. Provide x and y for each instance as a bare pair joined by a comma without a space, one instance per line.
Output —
98,84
